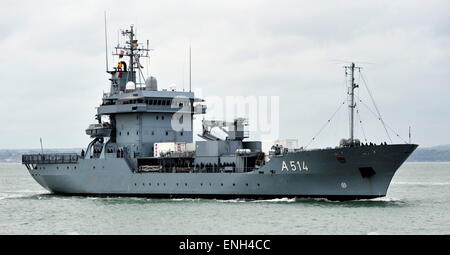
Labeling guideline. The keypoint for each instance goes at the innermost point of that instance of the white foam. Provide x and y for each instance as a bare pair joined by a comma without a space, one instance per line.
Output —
381,199
422,183
231,200
12,195
277,200
185,199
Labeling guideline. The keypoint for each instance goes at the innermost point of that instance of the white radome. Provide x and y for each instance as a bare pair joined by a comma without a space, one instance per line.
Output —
130,86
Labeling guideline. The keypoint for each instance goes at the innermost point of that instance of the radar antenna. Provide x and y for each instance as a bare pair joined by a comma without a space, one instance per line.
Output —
133,50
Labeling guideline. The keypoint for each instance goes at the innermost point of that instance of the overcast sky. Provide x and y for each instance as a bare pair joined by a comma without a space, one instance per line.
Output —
53,62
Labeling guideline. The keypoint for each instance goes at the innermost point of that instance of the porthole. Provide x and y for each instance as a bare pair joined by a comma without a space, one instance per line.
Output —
246,184
209,184
93,167
258,184
120,133
57,167
221,184
157,117
162,117
67,167
143,184
181,133
177,184
201,184
164,184
157,184
185,184
167,133
234,184
135,184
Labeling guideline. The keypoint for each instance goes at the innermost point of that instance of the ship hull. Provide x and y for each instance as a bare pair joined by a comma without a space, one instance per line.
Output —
341,174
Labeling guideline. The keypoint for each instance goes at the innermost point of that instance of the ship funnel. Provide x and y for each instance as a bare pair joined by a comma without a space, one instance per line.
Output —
151,84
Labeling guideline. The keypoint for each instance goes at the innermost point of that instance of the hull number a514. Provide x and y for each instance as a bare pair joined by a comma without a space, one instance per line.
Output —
294,166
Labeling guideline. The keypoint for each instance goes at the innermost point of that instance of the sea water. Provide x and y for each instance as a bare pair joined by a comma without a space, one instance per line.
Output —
418,202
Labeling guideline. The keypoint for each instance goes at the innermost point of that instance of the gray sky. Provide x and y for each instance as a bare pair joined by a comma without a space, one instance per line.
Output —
53,60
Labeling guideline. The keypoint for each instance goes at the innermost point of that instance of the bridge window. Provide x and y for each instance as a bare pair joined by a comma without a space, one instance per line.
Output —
181,133
157,117
167,133
162,117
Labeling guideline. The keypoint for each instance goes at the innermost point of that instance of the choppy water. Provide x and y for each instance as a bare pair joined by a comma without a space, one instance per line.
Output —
418,202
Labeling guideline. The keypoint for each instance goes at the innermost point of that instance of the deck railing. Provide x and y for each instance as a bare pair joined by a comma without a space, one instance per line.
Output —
57,158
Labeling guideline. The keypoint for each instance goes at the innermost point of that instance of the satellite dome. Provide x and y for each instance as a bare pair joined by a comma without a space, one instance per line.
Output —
130,86
173,87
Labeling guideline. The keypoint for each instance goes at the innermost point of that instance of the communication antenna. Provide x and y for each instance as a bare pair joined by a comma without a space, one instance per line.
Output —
409,134
42,148
190,68
106,45
148,60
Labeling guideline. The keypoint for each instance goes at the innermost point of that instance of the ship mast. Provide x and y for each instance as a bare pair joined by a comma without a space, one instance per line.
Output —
351,94
132,50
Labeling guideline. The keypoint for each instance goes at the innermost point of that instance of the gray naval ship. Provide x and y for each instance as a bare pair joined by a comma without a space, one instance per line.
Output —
142,145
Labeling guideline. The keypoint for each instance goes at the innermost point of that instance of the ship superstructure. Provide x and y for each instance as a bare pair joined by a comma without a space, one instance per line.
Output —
142,144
